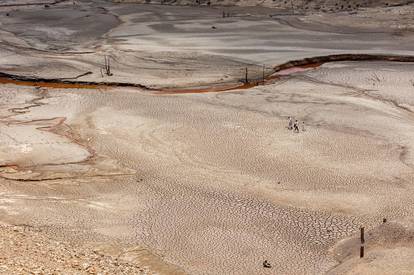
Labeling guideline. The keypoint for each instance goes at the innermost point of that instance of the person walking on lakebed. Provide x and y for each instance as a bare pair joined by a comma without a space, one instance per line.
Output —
296,126
290,125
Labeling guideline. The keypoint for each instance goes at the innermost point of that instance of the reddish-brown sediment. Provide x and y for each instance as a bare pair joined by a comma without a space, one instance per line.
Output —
298,69
278,71
213,88
55,85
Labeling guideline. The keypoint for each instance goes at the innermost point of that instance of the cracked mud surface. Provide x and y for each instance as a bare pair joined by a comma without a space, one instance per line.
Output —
203,183
206,203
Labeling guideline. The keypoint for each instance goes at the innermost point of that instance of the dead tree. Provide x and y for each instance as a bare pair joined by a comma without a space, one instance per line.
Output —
107,67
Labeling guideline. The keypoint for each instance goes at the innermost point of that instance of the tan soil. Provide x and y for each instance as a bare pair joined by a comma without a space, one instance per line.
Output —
203,183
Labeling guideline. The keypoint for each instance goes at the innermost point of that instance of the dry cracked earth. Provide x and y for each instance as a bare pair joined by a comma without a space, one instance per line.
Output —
118,180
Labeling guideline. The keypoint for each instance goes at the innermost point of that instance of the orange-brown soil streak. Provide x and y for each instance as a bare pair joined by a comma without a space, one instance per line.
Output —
311,65
55,85
306,63
214,88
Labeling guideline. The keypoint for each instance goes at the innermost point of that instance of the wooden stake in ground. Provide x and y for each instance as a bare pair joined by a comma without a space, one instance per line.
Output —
263,74
246,80
362,236
361,250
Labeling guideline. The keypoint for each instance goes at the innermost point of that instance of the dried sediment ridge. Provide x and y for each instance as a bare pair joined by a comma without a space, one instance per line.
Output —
36,3
82,161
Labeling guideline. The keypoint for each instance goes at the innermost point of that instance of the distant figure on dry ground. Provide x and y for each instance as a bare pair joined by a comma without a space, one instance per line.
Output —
296,126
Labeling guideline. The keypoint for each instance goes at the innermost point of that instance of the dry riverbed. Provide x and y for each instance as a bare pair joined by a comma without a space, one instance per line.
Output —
127,180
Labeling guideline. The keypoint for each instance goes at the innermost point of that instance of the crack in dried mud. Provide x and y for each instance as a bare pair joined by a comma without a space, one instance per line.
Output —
318,228
359,91
33,4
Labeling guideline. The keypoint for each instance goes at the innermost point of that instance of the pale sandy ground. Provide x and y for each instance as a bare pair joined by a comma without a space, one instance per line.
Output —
209,183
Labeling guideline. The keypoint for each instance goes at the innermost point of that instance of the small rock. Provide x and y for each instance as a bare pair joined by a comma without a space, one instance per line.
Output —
266,264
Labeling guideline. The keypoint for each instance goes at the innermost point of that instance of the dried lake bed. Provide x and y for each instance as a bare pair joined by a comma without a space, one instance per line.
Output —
214,182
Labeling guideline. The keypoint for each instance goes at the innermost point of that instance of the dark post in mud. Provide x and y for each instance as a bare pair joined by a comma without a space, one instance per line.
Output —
362,235
361,250
263,76
245,77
